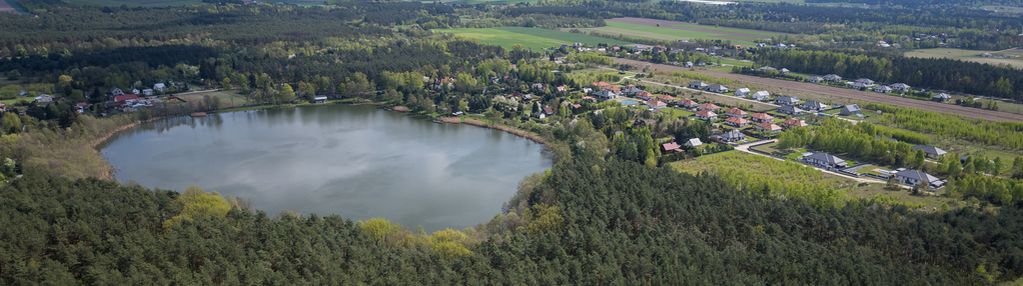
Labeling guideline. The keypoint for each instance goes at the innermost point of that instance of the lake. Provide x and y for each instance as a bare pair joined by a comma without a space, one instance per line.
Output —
355,161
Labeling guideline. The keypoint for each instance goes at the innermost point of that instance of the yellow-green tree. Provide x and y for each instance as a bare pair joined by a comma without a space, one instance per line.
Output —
197,204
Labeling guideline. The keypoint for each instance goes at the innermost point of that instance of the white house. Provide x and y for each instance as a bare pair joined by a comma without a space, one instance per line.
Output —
900,87
742,92
762,95
832,78
883,89
693,142
160,87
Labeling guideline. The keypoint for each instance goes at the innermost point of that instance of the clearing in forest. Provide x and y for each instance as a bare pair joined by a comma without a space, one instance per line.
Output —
665,30
530,38
1010,57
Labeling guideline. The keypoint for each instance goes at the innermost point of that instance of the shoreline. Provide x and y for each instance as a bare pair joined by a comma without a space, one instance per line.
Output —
500,127
97,143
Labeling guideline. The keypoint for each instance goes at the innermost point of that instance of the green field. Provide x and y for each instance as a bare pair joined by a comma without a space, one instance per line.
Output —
790,179
1011,57
530,38
674,31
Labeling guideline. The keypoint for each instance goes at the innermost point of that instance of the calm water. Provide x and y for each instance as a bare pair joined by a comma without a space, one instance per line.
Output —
359,162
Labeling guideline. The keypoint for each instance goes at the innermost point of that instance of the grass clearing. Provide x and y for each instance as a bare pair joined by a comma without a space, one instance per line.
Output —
530,38
785,178
228,98
1010,57
663,30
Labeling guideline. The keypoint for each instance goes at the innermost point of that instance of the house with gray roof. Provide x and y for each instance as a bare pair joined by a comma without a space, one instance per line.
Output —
824,160
917,177
787,100
850,110
790,110
813,105
931,151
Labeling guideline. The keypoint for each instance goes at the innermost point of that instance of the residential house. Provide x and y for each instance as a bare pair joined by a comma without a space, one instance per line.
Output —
832,78
930,151
732,136
787,100
644,95
116,91
709,106
688,103
824,160
160,87
794,122
147,92
790,110
631,90
706,115
815,106
784,70
692,143
656,104
320,99
606,94
742,92
942,97
671,147
768,127
43,98
736,112
562,88
762,117
762,95
901,87
602,85
917,177
815,79
862,84
536,87
135,91
737,122
80,107
125,98
851,110
883,89
717,88
698,85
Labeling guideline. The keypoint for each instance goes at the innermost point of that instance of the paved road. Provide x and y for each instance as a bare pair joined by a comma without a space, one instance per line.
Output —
745,148
846,93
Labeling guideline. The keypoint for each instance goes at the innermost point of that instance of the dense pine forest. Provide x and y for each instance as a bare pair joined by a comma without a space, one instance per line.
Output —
587,222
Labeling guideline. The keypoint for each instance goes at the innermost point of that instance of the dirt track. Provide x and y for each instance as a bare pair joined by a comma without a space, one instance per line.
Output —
846,94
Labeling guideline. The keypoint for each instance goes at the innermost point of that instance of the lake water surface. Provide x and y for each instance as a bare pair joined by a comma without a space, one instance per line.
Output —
356,161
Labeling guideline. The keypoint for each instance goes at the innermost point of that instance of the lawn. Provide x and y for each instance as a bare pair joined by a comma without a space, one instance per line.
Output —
790,179
228,98
673,31
1011,57
530,38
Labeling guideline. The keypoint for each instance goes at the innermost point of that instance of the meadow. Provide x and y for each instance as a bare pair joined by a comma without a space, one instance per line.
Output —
167,3
663,30
757,173
1010,57
530,38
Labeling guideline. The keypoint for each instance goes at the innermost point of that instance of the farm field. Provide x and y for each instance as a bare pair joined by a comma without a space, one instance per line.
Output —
530,38
1011,57
836,94
672,31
